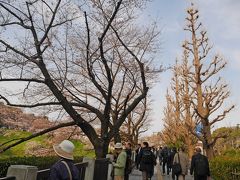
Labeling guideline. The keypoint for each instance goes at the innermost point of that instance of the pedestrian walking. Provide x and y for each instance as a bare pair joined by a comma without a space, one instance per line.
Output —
137,151
200,166
173,152
64,169
182,158
154,150
165,160
147,162
160,155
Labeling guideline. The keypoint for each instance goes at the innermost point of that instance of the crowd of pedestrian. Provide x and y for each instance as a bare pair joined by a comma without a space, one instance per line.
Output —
172,161
179,164
143,158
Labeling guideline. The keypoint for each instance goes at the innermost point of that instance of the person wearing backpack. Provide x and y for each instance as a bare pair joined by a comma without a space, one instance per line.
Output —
165,160
147,161
200,166
64,169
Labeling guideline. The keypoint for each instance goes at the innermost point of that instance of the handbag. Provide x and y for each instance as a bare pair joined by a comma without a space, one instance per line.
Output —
177,169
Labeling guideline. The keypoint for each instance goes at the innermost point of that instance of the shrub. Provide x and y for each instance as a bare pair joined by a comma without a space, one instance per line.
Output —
222,167
40,162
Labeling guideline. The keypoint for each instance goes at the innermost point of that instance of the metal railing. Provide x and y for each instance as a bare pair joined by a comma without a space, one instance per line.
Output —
8,178
82,169
101,168
235,174
44,174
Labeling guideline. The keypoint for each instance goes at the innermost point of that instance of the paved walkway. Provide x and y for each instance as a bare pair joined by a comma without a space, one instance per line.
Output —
137,175
169,177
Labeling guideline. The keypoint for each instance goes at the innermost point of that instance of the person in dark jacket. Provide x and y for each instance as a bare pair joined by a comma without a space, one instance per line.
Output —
172,154
64,169
128,161
160,155
165,160
154,150
147,161
137,152
199,166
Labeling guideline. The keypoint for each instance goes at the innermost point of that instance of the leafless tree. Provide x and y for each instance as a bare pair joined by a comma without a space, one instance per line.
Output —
210,92
83,60
137,122
188,114
170,133
176,113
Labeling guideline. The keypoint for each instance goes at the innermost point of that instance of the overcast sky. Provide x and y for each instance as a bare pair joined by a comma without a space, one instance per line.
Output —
221,19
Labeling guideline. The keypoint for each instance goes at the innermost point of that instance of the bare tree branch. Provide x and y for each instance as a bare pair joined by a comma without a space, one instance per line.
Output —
21,140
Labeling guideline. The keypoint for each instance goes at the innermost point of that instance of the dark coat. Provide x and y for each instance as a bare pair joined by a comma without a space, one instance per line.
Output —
59,171
129,165
149,168
165,155
137,152
193,165
172,154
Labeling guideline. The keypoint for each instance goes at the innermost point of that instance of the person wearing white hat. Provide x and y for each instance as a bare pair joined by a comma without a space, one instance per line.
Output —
120,164
64,169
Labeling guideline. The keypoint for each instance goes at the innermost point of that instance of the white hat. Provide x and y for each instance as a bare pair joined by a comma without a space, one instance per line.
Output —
118,146
65,149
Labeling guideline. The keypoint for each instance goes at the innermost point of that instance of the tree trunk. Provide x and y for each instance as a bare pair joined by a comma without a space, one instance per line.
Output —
189,144
208,140
135,139
210,152
117,137
101,149
131,139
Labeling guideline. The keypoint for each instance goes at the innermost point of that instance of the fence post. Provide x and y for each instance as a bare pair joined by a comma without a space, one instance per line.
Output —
110,166
90,168
133,156
23,172
101,169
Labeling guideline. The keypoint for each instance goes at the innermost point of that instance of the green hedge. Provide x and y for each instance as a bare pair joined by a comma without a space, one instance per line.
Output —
222,167
40,162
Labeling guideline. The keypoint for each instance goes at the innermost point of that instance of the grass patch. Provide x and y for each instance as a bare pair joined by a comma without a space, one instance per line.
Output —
42,141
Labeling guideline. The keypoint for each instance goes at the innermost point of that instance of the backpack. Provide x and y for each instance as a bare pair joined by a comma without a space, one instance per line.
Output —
147,157
201,166
165,154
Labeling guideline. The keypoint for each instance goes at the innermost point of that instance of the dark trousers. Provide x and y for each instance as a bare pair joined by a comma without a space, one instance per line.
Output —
163,167
196,177
169,167
174,176
137,165
126,177
160,161
146,175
